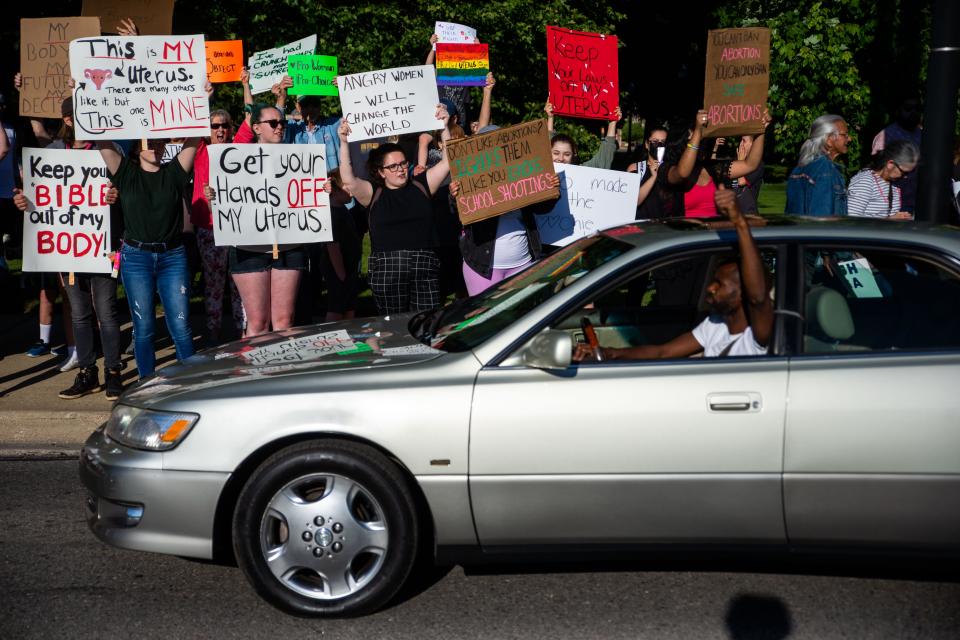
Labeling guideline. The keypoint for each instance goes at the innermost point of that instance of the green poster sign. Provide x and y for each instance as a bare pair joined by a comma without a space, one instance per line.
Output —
312,75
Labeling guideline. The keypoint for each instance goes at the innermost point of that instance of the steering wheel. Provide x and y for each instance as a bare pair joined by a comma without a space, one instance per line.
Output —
591,335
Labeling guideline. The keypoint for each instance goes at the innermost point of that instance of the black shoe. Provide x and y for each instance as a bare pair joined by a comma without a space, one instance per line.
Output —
113,385
87,381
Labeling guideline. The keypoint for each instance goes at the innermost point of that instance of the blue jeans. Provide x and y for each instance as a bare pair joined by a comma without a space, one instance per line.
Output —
144,273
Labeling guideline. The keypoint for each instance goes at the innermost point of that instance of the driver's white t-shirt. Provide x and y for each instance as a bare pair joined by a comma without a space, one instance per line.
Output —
713,336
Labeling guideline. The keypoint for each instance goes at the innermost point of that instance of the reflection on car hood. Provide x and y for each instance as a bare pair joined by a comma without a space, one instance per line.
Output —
334,346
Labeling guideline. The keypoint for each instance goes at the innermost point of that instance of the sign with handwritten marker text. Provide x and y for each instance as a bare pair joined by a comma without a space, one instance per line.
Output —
45,62
590,200
313,75
152,17
583,74
736,81
464,65
502,170
139,87
268,67
390,102
453,32
224,60
269,193
66,226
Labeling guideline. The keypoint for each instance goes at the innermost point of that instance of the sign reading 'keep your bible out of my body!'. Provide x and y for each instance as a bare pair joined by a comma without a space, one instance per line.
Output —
736,81
390,102
139,87
268,194
502,170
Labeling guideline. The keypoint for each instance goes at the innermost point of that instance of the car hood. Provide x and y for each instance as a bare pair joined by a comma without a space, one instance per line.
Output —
333,346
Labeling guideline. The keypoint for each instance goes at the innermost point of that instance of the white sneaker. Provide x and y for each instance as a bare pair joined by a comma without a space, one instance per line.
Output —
72,362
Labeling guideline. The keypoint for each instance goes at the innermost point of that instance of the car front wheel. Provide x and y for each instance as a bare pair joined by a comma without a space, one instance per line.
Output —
326,528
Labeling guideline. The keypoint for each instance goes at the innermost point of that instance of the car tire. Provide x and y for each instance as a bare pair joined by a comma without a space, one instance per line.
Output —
326,528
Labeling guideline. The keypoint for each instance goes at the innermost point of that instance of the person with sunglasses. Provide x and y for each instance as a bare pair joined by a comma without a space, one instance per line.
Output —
872,194
404,269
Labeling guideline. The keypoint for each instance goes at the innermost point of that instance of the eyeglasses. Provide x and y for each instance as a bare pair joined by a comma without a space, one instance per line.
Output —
901,169
273,124
396,167
219,125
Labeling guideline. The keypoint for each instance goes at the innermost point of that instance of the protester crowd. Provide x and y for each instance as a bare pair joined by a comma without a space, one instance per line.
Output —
405,200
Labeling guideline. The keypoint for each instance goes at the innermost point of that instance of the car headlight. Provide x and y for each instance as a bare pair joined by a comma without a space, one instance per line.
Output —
147,429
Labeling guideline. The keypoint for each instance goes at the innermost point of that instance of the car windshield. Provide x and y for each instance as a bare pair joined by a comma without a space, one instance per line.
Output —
464,324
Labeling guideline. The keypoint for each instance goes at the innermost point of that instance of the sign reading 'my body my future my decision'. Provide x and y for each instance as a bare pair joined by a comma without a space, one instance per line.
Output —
583,74
390,102
45,62
66,226
269,194
736,80
139,87
502,170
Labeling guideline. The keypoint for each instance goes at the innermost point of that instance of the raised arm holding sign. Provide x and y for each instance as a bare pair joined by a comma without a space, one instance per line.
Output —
583,73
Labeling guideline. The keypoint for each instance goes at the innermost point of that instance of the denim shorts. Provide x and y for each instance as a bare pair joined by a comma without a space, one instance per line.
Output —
242,261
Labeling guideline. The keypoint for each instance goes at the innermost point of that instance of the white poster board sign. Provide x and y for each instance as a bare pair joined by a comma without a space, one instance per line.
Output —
129,88
590,200
268,67
66,226
453,32
302,349
859,275
390,102
269,194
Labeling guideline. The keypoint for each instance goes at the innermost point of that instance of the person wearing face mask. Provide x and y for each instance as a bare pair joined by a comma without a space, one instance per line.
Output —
747,187
907,126
649,159
873,192
564,149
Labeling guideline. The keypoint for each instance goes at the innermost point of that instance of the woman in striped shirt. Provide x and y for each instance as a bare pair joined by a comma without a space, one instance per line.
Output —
871,193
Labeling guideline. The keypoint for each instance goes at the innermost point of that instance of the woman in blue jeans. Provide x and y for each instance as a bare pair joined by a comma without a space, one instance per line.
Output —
153,259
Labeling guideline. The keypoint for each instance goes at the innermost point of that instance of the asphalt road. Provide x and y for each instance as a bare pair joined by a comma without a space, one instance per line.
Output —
57,581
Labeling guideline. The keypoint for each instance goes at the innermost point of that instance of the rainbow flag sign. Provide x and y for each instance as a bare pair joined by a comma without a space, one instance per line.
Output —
465,65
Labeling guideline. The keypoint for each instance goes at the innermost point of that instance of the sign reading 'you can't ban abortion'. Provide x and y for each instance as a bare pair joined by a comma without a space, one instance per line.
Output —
269,194
67,223
139,87
736,81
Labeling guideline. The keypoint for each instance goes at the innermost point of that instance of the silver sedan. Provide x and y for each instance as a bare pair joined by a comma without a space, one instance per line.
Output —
325,460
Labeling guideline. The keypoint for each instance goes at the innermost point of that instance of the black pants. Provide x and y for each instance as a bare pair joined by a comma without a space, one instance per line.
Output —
94,291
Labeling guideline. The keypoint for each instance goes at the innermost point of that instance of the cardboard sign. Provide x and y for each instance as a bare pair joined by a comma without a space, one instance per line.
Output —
583,74
464,65
313,75
390,102
45,62
139,87
269,193
267,68
66,226
502,170
301,349
152,17
224,60
590,200
736,80
453,32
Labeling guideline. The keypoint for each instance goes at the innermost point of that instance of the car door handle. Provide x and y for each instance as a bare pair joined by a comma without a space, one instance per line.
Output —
734,401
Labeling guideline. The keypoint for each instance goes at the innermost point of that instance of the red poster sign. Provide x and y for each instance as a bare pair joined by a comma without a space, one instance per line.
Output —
583,73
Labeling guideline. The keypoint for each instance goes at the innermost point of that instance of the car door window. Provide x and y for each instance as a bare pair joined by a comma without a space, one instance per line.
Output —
862,300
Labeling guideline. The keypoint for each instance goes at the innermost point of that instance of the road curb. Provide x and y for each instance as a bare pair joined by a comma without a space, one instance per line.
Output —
28,434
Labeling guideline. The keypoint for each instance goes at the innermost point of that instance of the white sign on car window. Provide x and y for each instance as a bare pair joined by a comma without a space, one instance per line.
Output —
859,275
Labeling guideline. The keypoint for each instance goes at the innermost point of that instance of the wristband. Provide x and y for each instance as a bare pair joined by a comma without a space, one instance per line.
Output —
693,146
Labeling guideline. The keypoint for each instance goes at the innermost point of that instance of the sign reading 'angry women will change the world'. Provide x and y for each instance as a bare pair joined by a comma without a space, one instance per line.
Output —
390,102
736,80
582,69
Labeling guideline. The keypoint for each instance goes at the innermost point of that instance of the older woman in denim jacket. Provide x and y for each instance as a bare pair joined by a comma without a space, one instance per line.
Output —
816,186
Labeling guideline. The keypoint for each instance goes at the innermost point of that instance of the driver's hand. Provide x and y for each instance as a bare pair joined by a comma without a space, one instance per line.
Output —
583,351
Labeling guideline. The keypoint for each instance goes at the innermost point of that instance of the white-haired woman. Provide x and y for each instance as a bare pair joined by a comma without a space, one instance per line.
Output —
816,186
872,193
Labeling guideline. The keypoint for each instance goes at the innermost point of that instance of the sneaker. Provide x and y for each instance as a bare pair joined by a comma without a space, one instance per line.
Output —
70,363
87,381
113,385
40,349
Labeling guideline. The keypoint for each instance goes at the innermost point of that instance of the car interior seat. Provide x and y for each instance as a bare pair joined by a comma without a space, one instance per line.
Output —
829,323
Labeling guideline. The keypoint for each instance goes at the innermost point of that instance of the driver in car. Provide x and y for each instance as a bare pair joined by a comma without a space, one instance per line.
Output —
741,312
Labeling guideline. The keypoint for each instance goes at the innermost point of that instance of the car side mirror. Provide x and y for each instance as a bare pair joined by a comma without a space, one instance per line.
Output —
552,349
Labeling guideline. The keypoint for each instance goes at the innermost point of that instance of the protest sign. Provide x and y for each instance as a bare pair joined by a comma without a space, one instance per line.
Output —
859,276
303,349
390,102
139,87
582,73
464,65
224,60
269,194
170,151
312,75
502,170
66,226
268,67
736,80
45,62
152,17
590,200
453,32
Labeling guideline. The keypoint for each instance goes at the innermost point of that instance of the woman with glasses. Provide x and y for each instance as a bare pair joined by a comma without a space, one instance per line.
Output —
403,266
816,186
872,194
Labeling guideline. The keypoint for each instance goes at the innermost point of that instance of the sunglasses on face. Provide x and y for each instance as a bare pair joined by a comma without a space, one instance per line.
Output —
219,125
901,169
395,167
273,124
